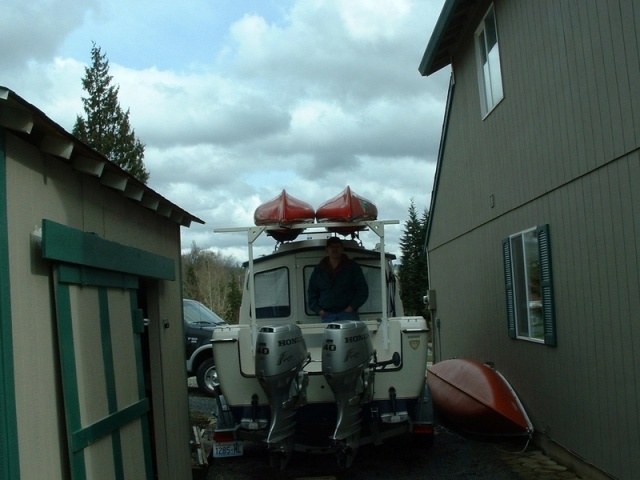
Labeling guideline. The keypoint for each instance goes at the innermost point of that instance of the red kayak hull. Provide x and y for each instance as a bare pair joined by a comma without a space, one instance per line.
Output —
475,398
283,210
347,206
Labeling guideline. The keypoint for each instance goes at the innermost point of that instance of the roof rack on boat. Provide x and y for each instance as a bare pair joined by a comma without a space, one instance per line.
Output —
375,225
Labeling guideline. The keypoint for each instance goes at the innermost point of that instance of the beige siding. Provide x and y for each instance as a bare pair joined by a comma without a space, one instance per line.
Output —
42,443
561,148
41,187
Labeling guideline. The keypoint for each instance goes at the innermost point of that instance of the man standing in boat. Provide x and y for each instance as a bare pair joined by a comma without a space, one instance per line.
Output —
337,288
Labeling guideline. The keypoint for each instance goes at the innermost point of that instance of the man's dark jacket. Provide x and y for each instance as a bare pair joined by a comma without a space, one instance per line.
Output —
334,291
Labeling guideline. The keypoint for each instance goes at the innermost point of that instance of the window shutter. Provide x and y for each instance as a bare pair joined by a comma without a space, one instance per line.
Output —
508,280
546,286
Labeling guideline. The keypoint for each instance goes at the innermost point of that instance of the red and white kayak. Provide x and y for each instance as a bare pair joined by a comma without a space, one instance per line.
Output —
477,399
283,210
347,206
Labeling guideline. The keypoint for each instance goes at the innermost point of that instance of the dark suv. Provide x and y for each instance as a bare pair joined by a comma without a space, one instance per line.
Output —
199,321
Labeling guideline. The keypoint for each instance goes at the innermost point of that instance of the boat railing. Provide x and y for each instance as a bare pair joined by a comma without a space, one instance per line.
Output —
375,226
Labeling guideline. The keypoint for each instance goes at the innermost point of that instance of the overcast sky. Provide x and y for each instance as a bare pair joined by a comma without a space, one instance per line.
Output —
236,100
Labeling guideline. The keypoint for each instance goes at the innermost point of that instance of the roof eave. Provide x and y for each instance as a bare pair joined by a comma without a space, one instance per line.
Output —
30,123
452,21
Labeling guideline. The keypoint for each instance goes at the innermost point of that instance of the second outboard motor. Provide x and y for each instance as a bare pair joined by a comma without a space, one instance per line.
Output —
281,354
346,358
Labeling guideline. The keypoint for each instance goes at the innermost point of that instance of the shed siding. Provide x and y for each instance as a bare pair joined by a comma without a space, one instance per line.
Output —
561,148
39,187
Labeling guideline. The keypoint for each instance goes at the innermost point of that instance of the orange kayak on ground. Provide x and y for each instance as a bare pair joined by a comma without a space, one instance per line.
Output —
476,398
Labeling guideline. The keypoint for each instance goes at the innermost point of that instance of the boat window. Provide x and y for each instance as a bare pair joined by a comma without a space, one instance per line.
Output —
374,301
371,275
272,293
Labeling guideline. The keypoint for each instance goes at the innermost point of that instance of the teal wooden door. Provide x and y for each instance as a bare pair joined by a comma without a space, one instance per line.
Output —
103,384
99,326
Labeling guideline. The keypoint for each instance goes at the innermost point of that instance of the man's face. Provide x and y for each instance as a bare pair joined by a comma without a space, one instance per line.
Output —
334,250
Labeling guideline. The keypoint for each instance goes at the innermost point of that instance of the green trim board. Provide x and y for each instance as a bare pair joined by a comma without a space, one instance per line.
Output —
86,436
138,328
9,452
69,245
69,376
80,275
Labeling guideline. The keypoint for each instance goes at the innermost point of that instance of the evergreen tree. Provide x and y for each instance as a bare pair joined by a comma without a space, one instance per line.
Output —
234,299
413,272
106,127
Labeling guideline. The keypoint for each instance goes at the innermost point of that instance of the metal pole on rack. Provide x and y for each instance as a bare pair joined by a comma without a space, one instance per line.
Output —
378,228
252,234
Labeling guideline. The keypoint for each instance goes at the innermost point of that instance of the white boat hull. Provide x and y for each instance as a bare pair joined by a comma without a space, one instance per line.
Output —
235,361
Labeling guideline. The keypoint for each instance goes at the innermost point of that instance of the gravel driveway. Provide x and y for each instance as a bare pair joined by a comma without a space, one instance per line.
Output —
450,457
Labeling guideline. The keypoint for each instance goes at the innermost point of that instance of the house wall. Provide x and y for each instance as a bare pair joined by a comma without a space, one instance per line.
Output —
561,148
42,187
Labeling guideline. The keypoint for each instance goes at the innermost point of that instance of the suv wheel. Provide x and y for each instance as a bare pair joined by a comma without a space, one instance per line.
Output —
207,377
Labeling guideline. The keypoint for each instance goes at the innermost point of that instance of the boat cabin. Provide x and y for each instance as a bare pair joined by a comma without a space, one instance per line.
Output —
282,279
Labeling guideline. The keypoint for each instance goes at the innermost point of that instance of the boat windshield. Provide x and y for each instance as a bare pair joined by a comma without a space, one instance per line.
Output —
273,292
372,277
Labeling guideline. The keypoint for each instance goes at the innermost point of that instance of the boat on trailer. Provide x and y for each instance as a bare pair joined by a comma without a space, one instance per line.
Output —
287,379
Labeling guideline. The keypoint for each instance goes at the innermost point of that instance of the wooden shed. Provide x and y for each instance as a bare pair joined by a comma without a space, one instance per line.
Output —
534,233
92,366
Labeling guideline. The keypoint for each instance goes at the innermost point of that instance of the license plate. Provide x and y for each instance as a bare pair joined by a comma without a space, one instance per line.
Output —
227,449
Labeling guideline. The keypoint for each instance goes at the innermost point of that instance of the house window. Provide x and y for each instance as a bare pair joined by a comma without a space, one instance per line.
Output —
488,56
529,286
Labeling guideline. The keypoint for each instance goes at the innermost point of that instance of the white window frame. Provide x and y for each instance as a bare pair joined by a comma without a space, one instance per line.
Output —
488,63
525,265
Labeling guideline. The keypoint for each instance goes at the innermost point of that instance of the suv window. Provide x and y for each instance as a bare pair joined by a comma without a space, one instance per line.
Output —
196,313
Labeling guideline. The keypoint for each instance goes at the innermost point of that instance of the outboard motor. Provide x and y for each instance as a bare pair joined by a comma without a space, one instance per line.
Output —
346,357
281,354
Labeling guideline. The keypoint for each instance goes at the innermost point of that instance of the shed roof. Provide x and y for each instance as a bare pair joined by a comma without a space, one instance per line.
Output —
32,125
453,20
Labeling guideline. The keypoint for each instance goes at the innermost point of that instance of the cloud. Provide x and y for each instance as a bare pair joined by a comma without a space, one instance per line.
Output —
201,107
236,101
35,30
